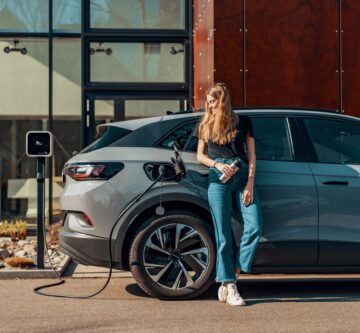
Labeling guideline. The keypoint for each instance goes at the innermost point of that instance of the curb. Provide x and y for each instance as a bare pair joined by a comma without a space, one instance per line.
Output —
47,273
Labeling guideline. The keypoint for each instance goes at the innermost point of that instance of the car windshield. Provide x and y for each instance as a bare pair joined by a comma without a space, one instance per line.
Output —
106,135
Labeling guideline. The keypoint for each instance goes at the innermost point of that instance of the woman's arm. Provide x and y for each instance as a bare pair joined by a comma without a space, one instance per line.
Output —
250,145
248,194
202,157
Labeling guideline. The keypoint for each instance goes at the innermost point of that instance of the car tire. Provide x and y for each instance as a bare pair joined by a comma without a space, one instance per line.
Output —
166,272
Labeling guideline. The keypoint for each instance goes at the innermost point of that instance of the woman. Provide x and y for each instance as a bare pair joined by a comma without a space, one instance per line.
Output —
222,136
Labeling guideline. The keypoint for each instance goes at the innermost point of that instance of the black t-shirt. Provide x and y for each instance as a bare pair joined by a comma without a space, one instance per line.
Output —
237,147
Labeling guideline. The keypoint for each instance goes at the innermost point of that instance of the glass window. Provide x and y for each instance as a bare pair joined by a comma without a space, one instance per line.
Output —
335,141
272,139
24,78
106,135
24,107
149,108
67,15
137,62
137,14
104,111
180,138
66,77
17,170
24,15
105,108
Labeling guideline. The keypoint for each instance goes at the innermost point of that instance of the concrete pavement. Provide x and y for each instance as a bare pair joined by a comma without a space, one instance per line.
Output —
273,306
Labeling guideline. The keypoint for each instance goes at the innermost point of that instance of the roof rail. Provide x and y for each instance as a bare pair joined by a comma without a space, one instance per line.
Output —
283,108
172,113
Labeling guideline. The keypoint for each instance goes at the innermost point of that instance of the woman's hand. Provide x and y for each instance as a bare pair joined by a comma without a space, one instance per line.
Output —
248,193
225,169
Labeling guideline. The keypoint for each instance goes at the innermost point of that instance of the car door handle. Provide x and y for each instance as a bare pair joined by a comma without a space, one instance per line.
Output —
335,182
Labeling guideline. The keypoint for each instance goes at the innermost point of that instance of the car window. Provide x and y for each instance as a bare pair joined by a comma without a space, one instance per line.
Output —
334,141
106,135
272,139
180,138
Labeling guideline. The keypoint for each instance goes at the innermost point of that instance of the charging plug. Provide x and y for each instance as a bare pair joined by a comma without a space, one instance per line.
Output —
162,171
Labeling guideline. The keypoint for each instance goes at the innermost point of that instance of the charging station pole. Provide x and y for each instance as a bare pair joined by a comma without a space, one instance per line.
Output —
40,177
39,144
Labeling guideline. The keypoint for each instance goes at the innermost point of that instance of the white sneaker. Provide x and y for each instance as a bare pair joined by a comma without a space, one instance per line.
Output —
222,293
233,296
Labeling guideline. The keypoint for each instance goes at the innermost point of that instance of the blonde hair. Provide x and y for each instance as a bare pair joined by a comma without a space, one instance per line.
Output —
219,127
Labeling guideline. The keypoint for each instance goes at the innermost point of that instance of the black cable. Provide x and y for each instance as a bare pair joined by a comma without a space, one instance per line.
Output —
162,170
37,289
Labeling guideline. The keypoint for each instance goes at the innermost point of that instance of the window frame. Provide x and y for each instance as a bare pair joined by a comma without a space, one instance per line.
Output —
141,31
129,84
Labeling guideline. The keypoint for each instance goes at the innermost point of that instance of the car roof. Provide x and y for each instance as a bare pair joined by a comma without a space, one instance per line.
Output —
137,123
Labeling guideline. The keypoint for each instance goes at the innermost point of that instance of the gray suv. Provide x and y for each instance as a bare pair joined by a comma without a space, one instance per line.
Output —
307,175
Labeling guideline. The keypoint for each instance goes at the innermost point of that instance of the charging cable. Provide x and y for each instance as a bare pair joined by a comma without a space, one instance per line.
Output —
38,291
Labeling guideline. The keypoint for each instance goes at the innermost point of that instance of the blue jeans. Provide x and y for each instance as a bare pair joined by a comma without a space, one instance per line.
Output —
220,201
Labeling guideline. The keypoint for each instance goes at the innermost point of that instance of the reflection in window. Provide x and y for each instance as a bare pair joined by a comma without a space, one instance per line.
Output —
272,139
24,83
137,62
148,108
66,78
182,137
137,14
24,15
335,141
104,111
67,15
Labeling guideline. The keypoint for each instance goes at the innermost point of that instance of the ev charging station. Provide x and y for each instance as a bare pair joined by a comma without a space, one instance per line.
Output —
39,144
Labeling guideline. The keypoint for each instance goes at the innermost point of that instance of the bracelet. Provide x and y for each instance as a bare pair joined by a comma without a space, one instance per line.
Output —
214,166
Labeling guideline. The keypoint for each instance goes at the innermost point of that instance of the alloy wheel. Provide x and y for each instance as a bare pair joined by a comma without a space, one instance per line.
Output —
176,256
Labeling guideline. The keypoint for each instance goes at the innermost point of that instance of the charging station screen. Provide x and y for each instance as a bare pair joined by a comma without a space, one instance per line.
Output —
39,144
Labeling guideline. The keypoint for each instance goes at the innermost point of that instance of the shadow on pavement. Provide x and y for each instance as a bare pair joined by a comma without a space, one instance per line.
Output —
302,290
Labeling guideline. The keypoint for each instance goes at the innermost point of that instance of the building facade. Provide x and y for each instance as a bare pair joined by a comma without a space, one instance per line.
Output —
289,53
70,65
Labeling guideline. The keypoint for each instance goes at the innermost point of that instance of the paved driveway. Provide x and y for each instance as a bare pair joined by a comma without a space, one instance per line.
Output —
273,306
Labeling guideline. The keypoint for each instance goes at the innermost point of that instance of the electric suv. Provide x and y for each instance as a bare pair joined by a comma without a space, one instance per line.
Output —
307,176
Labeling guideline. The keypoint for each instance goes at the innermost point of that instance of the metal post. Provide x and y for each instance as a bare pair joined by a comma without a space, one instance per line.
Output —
40,176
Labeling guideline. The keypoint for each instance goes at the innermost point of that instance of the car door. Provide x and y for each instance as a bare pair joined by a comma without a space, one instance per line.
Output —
335,163
287,195
286,188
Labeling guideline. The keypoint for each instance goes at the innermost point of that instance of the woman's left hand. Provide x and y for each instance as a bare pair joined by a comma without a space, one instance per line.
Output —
248,194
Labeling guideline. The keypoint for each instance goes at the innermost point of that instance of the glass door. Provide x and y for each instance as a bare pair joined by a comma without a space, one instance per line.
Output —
105,108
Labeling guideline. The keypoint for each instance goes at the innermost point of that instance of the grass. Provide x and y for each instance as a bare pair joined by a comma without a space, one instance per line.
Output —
15,229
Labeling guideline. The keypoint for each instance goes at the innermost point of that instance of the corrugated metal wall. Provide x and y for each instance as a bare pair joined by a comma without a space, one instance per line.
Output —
296,53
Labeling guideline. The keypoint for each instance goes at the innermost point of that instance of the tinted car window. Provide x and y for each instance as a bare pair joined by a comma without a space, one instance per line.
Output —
334,141
272,139
180,137
106,136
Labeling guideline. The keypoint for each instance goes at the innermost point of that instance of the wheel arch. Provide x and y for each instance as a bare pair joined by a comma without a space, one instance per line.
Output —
194,208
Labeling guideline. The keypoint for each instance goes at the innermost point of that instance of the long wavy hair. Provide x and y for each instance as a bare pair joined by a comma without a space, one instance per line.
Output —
219,126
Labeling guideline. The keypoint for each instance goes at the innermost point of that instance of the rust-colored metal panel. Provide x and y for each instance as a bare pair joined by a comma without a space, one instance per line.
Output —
228,47
202,52
292,53
351,56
